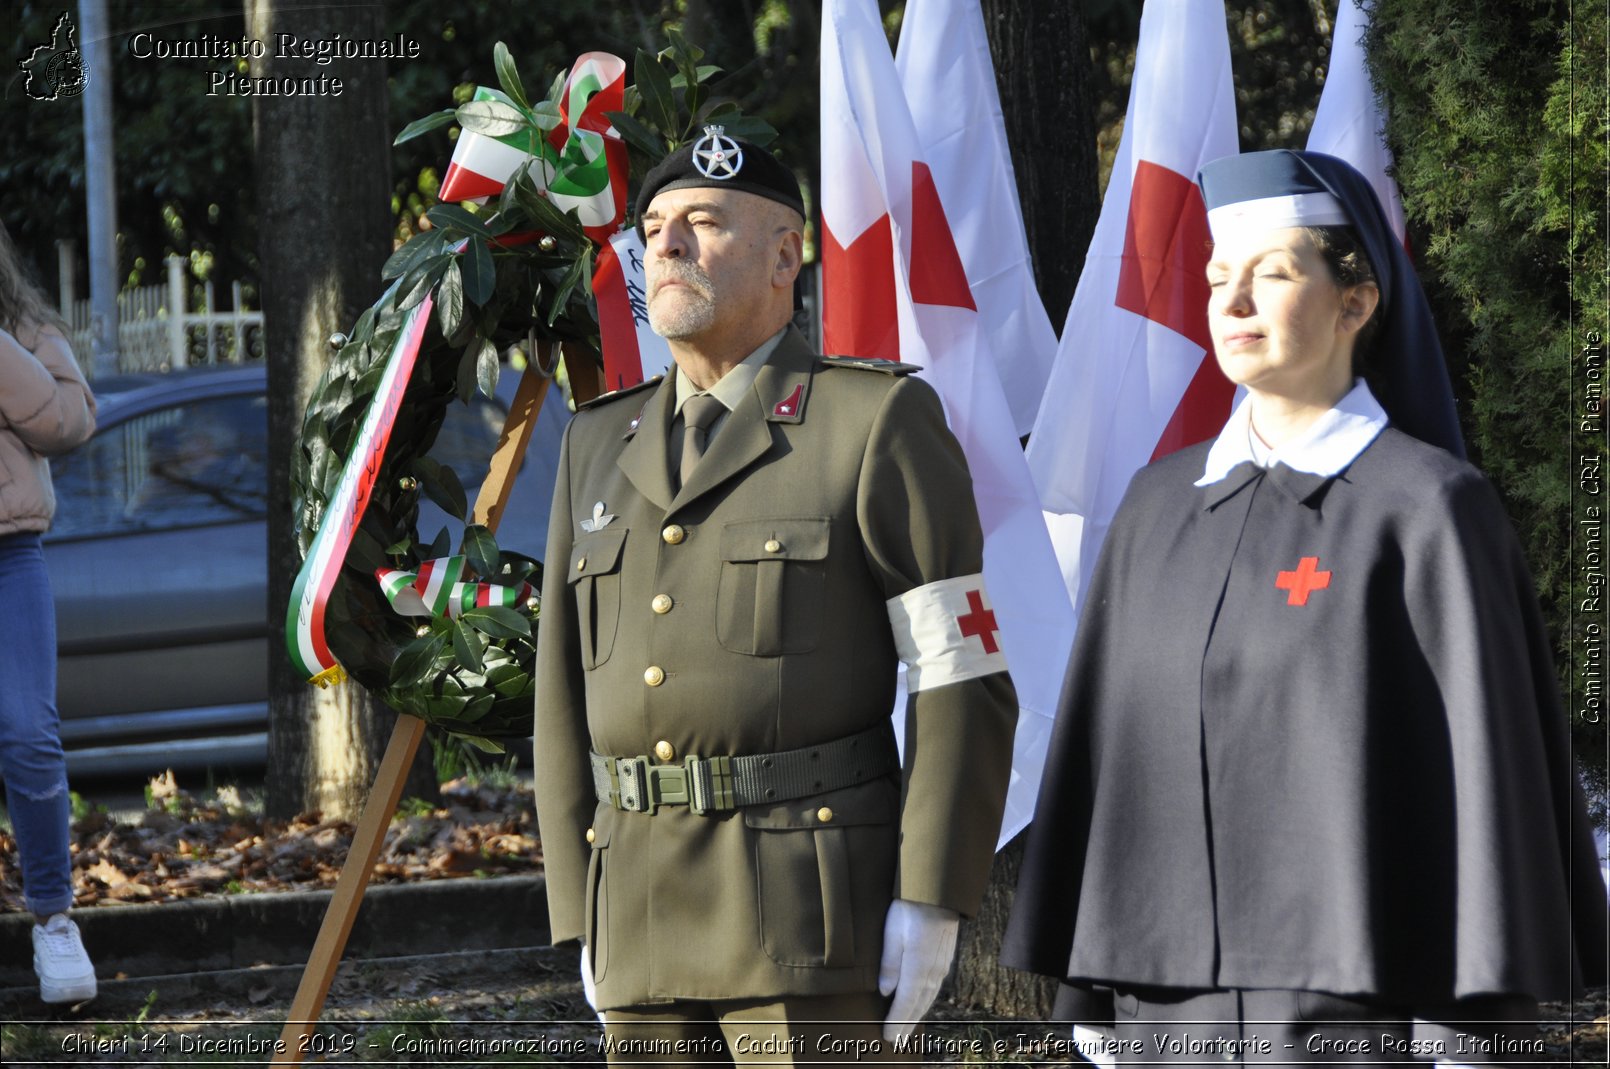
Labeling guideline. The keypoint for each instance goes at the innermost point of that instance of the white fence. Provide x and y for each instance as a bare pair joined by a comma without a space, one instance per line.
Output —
156,331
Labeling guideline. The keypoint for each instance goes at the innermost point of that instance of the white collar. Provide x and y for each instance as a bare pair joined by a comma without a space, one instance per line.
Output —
1330,444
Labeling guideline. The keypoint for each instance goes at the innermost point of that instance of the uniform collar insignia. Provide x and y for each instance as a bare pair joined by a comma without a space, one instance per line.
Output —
789,406
599,521
784,384
631,428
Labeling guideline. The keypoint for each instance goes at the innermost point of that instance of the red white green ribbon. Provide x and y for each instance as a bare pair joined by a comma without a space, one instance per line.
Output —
304,622
582,164
435,590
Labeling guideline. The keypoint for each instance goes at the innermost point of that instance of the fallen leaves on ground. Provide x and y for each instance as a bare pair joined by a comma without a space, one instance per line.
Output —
185,847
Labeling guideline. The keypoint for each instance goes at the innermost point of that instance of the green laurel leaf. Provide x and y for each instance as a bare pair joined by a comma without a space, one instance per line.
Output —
508,74
491,118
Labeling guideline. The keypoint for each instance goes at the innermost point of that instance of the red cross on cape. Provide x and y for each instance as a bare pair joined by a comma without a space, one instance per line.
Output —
1302,582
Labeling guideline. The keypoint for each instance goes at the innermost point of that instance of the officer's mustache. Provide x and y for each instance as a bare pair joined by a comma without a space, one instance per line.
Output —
686,272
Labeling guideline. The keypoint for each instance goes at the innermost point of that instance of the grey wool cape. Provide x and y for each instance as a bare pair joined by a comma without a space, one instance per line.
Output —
1349,775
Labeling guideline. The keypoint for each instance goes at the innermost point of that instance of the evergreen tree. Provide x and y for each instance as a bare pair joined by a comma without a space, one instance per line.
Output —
1496,114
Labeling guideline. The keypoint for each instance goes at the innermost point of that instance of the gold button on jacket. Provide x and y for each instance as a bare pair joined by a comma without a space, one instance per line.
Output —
829,490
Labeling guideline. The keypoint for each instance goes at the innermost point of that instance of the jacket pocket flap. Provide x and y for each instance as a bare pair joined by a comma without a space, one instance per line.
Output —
866,803
603,824
597,553
795,539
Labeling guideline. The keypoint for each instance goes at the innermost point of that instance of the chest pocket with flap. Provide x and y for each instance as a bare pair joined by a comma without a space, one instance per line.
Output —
595,576
773,580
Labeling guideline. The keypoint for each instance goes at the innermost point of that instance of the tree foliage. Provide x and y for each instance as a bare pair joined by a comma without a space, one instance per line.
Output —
1499,138
183,157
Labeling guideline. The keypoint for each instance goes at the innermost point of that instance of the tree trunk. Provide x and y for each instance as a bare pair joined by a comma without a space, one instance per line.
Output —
324,196
980,981
1043,72
1042,69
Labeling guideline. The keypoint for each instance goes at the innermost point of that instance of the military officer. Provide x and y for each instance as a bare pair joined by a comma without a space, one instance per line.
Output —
740,555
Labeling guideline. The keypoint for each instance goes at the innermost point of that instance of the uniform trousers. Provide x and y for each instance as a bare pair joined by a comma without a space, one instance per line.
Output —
1171,1027
814,1030
31,761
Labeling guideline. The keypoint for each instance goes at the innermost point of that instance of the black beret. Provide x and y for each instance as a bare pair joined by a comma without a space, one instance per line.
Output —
716,161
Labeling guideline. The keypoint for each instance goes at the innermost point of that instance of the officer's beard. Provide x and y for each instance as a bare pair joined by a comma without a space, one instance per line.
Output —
687,313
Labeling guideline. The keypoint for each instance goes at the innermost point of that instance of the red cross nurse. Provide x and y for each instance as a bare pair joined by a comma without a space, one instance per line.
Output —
1310,795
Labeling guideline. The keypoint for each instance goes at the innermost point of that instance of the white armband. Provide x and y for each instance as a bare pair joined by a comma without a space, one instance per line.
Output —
945,632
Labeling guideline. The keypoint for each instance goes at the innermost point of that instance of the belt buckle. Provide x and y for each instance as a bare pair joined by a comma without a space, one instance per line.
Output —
667,785
632,775
702,785
710,784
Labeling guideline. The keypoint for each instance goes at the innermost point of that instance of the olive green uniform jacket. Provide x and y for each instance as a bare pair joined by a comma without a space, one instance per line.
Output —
674,622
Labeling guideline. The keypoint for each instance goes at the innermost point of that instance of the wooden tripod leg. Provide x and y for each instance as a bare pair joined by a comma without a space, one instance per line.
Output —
370,834
349,887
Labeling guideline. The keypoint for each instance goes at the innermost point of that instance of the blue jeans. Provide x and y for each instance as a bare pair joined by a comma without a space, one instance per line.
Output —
31,759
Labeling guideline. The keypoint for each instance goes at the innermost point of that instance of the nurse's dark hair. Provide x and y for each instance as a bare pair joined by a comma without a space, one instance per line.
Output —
1344,255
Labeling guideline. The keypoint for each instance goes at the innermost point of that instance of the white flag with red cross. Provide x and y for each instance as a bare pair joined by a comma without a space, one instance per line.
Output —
1135,378
1348,123
949,80
895,288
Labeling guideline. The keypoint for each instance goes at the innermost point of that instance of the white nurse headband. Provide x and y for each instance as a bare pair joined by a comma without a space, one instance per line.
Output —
1249,217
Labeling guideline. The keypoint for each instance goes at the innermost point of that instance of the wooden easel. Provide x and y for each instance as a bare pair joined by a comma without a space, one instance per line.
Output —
586,382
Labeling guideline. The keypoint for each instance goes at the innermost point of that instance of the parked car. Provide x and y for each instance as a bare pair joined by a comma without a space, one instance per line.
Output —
158,563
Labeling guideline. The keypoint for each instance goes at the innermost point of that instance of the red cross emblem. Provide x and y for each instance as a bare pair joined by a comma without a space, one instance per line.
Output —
980,621
1302,582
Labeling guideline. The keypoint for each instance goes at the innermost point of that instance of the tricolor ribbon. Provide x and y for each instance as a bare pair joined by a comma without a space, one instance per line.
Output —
582,164
435,590
304,624
632,351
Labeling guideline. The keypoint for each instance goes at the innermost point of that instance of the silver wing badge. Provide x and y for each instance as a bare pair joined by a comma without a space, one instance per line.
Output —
599,521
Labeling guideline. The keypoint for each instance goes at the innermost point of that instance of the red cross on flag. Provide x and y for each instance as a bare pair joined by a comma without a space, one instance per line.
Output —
1135,377
895,288
949,81
1348,123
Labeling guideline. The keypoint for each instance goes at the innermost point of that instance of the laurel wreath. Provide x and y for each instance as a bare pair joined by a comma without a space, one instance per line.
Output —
495,290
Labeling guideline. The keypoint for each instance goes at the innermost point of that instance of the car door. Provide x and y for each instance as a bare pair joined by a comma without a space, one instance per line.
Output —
158,559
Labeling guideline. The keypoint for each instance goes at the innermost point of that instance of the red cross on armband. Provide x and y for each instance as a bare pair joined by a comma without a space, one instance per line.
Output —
945,632
1302,582
979,622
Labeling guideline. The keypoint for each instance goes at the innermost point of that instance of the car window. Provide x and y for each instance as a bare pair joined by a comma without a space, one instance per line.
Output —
469,434
192,464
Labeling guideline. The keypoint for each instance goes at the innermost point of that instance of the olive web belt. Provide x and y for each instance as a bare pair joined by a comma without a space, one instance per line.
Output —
720,784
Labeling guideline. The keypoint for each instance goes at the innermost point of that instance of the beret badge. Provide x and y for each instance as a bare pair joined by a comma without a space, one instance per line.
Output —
717,156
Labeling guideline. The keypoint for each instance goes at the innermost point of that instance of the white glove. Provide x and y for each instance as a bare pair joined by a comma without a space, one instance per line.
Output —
918,942
589,988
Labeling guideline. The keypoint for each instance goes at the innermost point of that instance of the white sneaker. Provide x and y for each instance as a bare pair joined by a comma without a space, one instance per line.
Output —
65,972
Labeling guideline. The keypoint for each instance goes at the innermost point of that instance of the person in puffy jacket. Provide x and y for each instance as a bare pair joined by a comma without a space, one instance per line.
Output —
46,408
